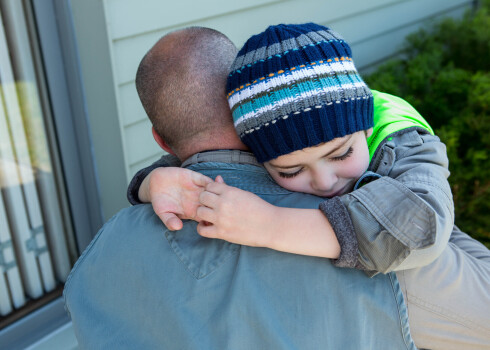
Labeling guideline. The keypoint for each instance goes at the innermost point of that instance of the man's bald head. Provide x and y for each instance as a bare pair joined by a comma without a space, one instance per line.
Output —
181,83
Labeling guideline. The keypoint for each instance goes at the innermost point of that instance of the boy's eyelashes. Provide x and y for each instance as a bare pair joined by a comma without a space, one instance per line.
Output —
290,175
345,155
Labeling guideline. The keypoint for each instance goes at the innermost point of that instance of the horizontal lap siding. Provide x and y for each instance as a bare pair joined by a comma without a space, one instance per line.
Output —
379,34
130,17
375,29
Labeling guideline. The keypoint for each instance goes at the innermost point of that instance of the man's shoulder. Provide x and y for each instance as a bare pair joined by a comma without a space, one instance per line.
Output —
136,238
133,217
131,224
129,230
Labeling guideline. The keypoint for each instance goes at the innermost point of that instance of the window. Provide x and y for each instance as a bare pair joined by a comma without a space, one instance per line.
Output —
49,199
37,246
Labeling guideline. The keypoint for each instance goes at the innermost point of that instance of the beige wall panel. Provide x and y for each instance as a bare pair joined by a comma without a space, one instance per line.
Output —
373,28
386,32
133,169
239,26
361,30
355,28
140,143
130,17
372,52
363,26
131,109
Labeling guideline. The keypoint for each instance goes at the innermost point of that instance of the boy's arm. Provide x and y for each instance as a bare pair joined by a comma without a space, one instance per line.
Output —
299,231
403,219
241,217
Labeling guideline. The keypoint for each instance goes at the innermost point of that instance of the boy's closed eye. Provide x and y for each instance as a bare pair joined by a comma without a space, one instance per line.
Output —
344,156
290,175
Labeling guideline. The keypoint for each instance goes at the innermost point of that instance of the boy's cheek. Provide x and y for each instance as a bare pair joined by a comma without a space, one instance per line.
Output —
290,184
286,183
358,165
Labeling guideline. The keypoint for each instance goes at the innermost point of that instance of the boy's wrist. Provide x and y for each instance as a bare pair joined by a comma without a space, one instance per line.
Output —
271,227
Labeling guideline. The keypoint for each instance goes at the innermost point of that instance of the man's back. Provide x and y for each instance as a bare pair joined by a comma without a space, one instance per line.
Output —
139,285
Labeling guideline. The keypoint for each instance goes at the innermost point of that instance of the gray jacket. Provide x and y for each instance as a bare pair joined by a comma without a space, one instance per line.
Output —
404,218
401,220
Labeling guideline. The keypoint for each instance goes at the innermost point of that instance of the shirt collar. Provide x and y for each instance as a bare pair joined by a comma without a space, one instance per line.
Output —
222,156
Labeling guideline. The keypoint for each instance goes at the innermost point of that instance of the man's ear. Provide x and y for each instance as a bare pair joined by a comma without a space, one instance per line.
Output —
161,142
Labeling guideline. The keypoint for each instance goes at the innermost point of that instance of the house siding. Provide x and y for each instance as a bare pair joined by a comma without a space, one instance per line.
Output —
375,29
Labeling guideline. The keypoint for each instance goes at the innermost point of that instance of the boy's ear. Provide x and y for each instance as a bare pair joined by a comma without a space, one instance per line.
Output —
369,132
161,142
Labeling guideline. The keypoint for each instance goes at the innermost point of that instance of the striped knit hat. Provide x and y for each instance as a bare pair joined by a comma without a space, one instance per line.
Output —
296,86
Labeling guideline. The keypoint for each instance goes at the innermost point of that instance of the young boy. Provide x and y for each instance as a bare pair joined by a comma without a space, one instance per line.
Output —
300,105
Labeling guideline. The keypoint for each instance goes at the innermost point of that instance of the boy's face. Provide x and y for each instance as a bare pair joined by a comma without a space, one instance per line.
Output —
328,170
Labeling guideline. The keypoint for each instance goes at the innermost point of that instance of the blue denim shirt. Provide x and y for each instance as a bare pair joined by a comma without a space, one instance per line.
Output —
141,286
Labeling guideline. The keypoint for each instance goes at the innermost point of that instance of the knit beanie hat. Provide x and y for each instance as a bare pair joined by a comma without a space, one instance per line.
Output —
296,86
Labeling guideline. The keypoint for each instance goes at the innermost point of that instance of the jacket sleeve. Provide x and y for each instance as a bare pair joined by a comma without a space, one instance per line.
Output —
134,186
403,219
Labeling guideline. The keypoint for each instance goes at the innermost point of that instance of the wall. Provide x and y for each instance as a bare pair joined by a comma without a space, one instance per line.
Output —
374,29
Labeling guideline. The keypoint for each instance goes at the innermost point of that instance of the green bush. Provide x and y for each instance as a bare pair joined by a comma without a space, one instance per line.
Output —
444,74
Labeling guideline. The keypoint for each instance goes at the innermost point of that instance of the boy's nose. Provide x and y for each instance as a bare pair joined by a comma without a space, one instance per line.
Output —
324,181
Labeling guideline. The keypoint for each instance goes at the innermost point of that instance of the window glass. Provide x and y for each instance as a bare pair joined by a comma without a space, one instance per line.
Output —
37,248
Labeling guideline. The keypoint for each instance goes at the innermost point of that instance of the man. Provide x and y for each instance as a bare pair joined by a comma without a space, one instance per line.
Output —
141,285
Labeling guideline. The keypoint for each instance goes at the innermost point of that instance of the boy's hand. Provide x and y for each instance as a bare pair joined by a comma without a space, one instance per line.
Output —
174,194
234,215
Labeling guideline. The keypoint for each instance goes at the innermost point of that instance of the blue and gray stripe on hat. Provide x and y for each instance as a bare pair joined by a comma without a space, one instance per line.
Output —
284,47
310,86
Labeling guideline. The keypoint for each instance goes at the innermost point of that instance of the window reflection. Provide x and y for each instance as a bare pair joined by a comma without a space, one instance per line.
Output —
36,240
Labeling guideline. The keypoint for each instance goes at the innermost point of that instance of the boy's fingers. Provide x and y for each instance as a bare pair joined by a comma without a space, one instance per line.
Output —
219,179
206,230
206,214
216,187
171,221
208,199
